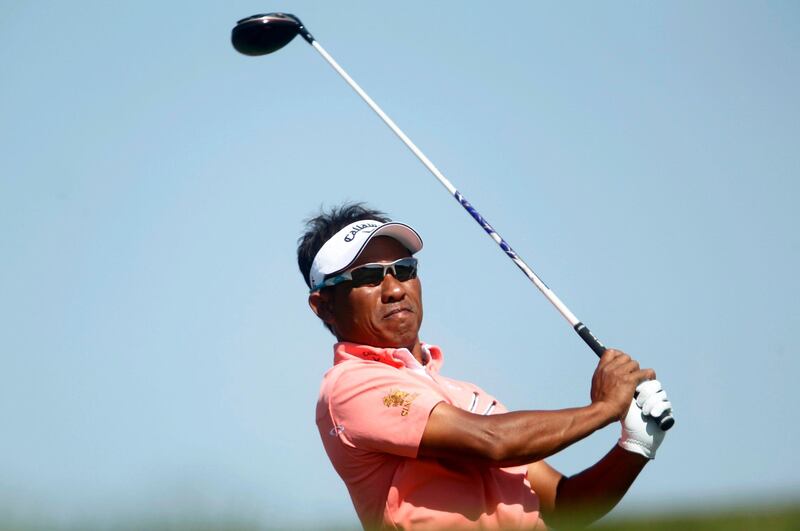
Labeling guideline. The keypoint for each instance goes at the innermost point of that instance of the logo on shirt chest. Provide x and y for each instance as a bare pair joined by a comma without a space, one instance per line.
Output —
401,399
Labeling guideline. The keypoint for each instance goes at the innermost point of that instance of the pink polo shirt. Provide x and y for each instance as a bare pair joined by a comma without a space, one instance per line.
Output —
371,414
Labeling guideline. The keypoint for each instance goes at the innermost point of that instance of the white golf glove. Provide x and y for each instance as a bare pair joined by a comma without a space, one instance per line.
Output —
640,431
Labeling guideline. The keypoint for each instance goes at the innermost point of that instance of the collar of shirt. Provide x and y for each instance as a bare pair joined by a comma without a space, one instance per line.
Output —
396,357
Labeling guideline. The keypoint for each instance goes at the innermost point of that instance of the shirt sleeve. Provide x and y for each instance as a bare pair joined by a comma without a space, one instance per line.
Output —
380,408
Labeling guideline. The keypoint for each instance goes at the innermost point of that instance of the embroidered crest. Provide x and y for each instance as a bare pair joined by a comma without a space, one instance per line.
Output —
401,399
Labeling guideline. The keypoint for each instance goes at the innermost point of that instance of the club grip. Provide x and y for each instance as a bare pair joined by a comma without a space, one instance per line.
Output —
589,339
665,421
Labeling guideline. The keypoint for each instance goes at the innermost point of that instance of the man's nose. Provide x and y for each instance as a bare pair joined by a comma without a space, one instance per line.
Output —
392,290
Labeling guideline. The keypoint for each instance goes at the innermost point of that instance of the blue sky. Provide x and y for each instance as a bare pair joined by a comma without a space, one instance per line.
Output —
158,354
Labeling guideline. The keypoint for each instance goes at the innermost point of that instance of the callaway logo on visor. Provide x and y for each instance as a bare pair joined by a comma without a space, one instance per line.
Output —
350,236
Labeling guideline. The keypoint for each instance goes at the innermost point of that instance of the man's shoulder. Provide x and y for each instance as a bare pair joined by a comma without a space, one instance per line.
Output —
355,372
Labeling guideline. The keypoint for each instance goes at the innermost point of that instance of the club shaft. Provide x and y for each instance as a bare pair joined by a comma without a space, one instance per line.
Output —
552,297
597,347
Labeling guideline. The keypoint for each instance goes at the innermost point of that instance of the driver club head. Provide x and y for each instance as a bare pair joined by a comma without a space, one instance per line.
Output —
263,34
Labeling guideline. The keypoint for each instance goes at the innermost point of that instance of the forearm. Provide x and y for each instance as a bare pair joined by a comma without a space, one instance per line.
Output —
583,498
511,438
527,436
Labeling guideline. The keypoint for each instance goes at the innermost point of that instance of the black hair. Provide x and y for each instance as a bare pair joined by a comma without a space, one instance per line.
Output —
324,225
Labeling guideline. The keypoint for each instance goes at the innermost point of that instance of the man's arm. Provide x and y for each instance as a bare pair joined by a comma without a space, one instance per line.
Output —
585,497
526,436
508,439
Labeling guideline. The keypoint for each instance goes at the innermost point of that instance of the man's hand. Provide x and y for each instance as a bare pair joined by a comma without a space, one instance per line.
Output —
640,431
615,380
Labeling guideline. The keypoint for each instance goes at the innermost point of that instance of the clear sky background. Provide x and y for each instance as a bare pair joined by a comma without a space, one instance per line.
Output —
157,355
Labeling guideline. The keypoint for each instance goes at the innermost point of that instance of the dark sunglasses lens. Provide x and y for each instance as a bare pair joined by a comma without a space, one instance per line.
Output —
405,272
367,275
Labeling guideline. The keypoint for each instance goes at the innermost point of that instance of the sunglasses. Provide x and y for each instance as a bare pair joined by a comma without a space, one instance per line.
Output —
373,274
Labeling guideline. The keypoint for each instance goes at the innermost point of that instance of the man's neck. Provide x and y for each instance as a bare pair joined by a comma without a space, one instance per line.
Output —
416,350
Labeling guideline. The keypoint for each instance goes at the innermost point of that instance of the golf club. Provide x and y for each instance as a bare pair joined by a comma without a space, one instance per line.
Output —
267,33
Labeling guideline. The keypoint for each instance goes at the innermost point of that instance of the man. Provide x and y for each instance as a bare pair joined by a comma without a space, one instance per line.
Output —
417,450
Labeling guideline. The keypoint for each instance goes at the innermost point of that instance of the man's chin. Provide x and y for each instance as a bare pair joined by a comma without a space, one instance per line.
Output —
408,341
389,335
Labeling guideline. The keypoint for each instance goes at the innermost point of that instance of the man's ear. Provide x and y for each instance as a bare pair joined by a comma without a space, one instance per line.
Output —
322,305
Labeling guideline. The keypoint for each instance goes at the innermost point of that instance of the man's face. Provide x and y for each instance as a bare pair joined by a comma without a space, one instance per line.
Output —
388,314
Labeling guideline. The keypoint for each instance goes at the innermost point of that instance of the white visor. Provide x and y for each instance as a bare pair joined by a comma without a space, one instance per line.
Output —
343,248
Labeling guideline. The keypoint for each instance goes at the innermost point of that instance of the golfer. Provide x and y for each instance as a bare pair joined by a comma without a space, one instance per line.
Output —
418,450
